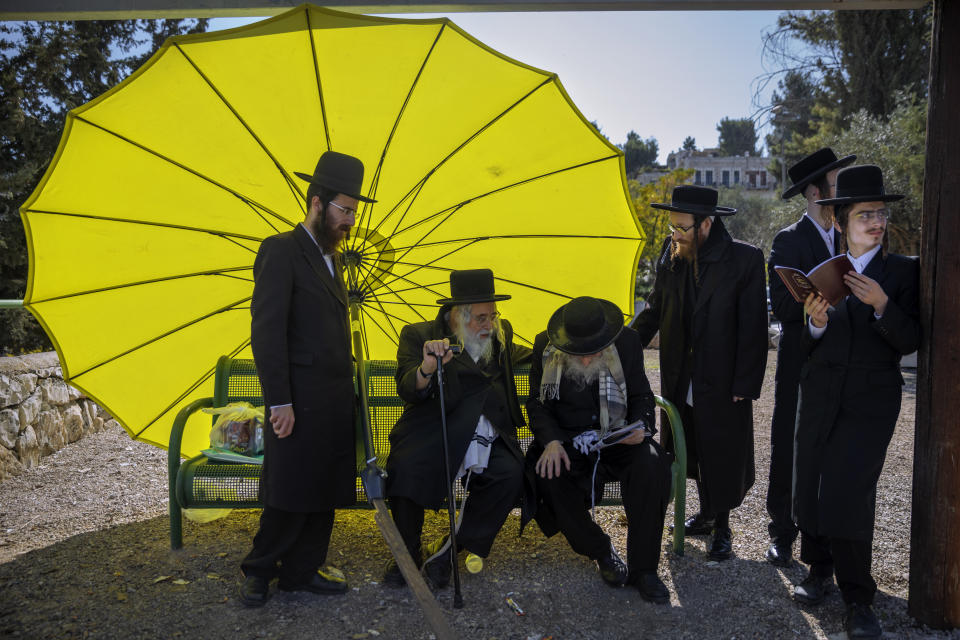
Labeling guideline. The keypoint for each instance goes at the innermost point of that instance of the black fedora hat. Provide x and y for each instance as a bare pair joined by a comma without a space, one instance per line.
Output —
862,183
700,201
471,286
585,325
338,172
812,167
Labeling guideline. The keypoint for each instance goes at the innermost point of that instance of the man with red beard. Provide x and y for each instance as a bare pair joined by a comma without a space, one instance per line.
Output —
709,305
482,419
301,346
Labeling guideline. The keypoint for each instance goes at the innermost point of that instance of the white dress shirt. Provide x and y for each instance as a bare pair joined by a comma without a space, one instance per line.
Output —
859,264
826,234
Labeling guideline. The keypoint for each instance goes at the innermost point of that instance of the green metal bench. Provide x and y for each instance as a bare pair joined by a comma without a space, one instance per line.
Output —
199,483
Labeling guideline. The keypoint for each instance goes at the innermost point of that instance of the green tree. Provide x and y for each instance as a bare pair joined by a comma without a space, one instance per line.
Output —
792,118
737,136
654,222
639,153
689,144
758,216
46,69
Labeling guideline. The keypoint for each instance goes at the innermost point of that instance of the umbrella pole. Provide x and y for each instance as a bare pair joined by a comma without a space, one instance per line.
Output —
373,484
451,498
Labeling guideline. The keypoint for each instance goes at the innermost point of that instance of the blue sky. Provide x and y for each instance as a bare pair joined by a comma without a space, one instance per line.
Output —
661,74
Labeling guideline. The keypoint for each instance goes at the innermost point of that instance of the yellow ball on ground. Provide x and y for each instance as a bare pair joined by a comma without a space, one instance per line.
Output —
474,563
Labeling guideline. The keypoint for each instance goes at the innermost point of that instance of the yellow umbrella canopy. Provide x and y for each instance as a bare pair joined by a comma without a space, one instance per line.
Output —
144,229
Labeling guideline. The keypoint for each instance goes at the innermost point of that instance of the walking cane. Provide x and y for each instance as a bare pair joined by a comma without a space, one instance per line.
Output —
451,503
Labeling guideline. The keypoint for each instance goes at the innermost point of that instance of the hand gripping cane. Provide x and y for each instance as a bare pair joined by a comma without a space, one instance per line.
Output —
451,498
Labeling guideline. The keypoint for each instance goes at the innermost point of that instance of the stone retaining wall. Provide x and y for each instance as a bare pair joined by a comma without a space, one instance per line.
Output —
40,413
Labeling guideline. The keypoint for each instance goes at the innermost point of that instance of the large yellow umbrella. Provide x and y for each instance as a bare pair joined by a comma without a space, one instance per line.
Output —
144,229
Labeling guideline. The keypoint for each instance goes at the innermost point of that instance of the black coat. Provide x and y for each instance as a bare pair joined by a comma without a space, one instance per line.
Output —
301,346
850,392
799,246
415,467
577,410
729,357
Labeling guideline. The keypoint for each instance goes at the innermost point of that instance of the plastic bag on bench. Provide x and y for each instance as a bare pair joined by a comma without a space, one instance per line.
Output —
238,430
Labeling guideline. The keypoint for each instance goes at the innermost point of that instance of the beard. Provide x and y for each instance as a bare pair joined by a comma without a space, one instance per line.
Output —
479,347
331,239
681,251
579,374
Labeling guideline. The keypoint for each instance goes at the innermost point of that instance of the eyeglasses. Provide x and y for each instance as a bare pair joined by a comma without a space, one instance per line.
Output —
484,318
679,227
881,215
346,210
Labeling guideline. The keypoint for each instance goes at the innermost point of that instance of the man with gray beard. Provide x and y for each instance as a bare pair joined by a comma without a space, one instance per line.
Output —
592,414
482,419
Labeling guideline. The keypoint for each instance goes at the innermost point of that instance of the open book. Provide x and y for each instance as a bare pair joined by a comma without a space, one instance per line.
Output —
826,280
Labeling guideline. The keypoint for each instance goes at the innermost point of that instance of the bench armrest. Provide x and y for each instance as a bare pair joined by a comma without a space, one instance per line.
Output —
176,436
679,469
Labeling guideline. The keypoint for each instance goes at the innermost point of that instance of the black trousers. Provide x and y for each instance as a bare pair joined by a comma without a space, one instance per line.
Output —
644,474
492,494
849,559
289,545
780,488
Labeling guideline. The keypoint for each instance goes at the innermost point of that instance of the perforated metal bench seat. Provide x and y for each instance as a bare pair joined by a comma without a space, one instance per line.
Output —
199,483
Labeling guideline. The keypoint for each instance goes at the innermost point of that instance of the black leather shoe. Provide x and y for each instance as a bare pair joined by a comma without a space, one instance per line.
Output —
861,622
612,569
697,525
255,591
721,546
780,554
392,575
812,590
326,581
437,570
652,589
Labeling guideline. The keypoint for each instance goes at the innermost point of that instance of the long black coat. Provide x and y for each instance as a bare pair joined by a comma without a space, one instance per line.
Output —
729,343
415,467
301,346
850,392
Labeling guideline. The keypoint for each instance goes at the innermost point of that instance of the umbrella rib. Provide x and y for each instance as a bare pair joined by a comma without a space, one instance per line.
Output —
418,187
402,301
374,321
380,302
412,271
420,286
182,227
217,272
185,168
503,188
396,123
229,307
390,315
316,73
387,315
286,176
203,378
372,289
518,236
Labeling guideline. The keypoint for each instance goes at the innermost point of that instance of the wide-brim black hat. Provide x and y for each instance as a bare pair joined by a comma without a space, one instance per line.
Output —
812,167
585,325
700,201
862,183
338,172
471,286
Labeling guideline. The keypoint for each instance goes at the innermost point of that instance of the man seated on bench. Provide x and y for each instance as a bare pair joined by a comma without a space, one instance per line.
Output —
591,413
482,419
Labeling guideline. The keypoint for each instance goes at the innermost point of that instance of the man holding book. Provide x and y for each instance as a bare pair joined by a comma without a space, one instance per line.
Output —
850,393
709,305
592,415
803,245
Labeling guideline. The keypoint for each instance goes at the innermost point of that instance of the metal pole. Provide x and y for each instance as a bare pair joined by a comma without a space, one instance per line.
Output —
451,497
11,304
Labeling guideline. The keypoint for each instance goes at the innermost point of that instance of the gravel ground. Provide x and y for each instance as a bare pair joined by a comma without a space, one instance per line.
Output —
84,553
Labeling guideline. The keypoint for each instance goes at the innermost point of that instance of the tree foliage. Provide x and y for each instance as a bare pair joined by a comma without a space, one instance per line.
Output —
640,153
46,69
654,222
689,144
737,136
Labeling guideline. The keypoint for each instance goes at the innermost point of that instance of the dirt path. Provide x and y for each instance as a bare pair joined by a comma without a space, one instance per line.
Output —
84,553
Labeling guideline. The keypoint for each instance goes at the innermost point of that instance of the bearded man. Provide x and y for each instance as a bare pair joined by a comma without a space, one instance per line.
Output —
709,305
587,388
482,418
301,346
